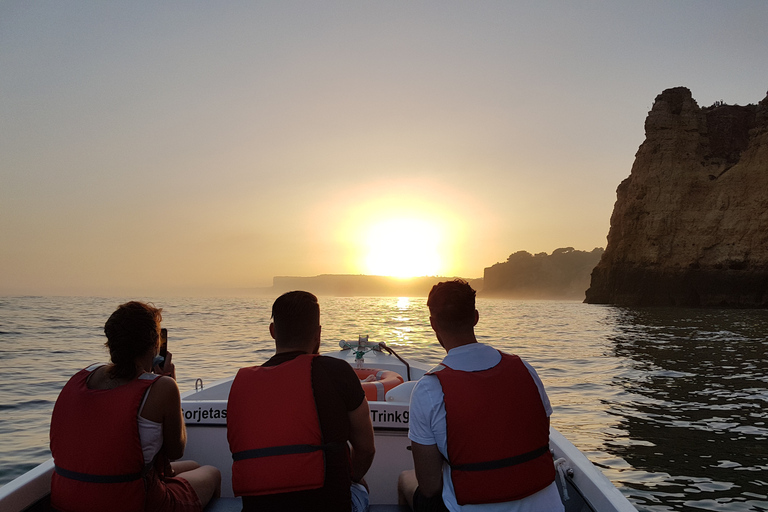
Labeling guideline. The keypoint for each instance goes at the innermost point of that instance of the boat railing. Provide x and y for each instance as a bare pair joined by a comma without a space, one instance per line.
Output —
363,346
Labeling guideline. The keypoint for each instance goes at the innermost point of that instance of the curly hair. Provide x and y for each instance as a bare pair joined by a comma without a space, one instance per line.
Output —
132,330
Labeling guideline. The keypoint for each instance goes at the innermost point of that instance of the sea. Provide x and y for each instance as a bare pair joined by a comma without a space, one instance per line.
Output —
671,404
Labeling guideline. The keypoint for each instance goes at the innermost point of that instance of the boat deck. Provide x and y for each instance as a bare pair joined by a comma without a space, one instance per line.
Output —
224,505
235,505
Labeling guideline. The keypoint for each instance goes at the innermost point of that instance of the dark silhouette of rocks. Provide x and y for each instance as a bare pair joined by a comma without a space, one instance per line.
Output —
690,223
562,275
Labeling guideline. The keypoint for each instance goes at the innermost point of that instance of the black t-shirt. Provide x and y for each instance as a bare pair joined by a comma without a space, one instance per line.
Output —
337,391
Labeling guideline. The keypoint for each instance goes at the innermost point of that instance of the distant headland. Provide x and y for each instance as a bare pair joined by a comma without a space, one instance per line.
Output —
690,223
562,275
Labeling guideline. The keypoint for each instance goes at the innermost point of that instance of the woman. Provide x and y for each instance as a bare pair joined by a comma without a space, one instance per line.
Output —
115,428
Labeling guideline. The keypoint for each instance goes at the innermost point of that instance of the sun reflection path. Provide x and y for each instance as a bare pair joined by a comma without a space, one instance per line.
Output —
402,330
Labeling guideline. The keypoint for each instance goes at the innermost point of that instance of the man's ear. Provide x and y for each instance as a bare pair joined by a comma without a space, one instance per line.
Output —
272,330
477,318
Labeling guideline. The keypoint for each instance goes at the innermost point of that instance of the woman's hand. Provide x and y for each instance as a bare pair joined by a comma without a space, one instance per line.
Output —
168,367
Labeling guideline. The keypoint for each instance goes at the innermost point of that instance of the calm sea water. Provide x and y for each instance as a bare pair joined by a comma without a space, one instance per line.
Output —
670,404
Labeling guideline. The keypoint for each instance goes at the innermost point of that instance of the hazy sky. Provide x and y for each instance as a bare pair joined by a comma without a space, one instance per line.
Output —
150,147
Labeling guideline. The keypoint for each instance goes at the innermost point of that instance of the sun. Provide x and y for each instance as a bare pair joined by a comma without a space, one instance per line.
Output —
403,247
396,227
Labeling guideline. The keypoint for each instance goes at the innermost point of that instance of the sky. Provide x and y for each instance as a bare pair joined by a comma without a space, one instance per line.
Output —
176,147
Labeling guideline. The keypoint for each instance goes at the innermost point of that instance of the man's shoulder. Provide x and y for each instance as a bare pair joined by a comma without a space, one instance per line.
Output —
337,369
243,372
331,362
438,367
428,385
336,376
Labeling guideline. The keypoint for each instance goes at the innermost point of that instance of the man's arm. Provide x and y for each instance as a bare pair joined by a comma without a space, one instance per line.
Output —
361,439
428,463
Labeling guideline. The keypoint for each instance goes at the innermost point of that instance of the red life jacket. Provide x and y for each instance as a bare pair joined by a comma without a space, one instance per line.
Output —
99,464
498,433
274,431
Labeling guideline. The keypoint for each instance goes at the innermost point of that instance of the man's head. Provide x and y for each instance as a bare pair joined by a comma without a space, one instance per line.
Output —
296,322
452,308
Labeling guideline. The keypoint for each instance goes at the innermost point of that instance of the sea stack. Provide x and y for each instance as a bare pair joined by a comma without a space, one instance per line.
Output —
690,223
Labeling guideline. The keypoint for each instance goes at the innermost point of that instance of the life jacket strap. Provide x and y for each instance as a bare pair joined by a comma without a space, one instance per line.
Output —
289,449
502,463
99,479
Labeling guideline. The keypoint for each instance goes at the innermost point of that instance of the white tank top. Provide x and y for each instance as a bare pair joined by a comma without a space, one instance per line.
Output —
150,434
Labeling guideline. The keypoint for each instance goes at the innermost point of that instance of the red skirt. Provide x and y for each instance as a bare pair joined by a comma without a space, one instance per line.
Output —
170,494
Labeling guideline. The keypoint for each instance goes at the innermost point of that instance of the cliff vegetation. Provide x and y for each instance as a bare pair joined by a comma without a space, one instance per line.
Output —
564,274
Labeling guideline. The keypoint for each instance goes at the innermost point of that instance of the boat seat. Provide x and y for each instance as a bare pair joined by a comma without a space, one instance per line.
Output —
401,393
224,505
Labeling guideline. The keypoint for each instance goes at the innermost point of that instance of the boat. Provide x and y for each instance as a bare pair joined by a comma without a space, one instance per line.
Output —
583,488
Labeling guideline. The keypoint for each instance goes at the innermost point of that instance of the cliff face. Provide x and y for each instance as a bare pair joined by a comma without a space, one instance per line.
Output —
690,223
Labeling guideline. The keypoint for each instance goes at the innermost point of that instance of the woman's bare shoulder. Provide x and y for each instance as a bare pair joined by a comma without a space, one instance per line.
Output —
164,394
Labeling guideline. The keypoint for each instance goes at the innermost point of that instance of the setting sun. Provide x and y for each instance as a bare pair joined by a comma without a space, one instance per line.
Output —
410,227
403,247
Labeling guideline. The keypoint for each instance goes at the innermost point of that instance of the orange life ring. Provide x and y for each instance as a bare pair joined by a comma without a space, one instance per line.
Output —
377,382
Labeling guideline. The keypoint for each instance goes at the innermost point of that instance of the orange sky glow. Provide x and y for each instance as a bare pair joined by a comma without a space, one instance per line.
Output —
153,148
405,229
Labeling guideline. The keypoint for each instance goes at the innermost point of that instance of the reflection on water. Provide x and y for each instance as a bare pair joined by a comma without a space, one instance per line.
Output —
669,403
699,389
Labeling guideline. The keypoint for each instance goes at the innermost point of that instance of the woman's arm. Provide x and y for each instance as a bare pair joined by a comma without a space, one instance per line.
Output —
164,406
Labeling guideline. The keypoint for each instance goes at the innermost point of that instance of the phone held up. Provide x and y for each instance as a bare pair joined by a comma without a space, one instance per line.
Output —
160,357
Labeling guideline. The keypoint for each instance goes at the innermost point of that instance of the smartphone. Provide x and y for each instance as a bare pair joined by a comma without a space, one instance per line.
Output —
160,357
163,343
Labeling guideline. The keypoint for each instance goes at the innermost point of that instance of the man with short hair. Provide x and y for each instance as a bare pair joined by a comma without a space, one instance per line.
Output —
290,419
479,422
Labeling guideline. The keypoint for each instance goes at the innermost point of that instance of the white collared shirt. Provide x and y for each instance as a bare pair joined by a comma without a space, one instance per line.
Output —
428,427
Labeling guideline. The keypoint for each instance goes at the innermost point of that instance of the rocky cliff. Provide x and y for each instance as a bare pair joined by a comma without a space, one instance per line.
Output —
690,223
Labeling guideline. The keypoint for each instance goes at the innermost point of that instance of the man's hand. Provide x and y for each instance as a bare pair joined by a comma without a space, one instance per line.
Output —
364,484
